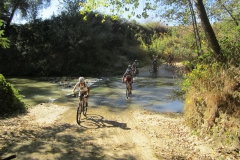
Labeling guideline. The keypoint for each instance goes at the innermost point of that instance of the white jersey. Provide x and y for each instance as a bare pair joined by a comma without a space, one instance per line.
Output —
82,88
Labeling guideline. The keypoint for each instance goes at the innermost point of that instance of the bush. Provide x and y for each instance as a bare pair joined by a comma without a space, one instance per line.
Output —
10,99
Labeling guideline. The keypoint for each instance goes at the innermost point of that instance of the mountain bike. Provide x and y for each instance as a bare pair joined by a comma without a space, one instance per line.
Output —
82,108
128,89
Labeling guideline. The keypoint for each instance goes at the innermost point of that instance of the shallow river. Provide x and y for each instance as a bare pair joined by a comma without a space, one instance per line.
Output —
148,93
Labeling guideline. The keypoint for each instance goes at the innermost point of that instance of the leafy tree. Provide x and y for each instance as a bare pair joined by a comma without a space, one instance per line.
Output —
4,42
210,35
178,11
224,10
27,8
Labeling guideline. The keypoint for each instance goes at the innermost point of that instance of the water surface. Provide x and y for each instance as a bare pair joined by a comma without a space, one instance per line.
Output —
148,93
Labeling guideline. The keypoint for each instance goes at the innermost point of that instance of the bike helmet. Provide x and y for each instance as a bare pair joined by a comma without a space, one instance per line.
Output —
135,60
129,66
81,79
154,59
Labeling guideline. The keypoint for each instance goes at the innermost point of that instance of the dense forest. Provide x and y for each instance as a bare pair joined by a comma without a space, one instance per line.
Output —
69,44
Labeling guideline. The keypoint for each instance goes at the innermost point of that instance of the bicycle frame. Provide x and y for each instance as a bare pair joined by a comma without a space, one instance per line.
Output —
82,108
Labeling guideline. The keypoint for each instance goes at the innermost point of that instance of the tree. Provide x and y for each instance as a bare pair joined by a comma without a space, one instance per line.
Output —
27,8
227,10
210,35
175,11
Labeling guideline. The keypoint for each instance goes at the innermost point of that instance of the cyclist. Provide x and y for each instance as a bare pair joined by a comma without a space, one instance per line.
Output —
83,91
154,64
135,66
127,76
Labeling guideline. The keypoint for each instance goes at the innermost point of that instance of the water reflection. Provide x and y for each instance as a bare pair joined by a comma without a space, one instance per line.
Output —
148,93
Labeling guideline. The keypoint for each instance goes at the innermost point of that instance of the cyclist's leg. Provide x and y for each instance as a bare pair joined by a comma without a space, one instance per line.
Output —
130,83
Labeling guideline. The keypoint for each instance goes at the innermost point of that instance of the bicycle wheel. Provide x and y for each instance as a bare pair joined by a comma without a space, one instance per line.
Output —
79,111
173,64
85,109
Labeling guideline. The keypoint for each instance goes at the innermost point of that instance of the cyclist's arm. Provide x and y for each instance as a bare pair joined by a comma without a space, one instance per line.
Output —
74,88
123,76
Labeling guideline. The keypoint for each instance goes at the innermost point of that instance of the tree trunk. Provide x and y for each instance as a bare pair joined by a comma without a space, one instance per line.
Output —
210,35
195,29
10,18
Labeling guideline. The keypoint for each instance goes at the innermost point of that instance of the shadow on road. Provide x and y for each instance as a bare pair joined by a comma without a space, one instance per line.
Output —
93,121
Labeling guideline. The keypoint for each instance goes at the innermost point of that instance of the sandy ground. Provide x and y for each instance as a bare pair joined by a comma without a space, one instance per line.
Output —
48,131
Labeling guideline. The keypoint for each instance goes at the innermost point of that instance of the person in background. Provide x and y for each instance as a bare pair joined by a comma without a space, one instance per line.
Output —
154,62
135,67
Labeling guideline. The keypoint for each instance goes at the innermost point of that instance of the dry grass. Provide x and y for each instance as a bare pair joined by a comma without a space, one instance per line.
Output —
213,103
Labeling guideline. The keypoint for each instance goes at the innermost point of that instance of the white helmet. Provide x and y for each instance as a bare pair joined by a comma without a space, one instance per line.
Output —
81,79
135,60
129,66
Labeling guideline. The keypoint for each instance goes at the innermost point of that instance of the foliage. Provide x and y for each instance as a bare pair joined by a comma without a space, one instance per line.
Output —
117,8
10,99
69,45
229,35
28,9
224,10
176,41
4,42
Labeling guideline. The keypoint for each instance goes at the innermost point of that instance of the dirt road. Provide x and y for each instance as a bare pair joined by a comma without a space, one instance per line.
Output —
106,133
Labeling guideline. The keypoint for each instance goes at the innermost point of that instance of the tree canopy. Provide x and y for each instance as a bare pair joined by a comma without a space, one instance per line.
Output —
27,8
181,12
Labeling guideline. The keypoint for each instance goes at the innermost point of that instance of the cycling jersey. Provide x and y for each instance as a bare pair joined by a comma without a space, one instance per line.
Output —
127,76
83,87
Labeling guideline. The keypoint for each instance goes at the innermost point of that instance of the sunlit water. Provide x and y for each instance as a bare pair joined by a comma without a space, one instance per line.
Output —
148,93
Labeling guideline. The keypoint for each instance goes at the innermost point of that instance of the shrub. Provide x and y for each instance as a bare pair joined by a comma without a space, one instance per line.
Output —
10,99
